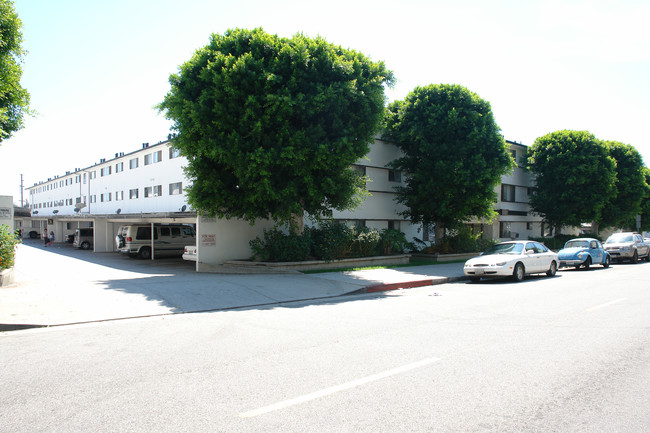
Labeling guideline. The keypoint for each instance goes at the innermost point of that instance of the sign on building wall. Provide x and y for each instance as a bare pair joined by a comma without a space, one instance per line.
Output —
5,213
209,240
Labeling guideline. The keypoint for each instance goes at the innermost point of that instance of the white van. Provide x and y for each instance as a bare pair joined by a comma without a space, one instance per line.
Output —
83,238
168,239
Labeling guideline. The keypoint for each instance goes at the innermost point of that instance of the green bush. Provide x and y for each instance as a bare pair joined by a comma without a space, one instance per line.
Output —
556,242
365,243
393,241
8,242
332,240
278,246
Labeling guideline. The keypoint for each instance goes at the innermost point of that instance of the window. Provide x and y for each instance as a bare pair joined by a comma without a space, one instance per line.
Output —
164,231
119,167
529,226
394,176
93,198
105,197
176,188
93,175
133,163
507,192
157,156
133,193
84,181
504,230
147,159
148,191
393,225
157,190
176,232
105,171
174,153
119,195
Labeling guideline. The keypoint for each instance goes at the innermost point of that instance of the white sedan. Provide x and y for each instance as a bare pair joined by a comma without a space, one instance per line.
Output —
512,259
190,252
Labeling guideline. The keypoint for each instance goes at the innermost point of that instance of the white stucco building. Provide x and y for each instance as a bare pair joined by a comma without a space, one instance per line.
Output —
147,185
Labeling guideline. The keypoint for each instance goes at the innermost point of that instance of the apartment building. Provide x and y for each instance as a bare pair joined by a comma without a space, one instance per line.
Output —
148,185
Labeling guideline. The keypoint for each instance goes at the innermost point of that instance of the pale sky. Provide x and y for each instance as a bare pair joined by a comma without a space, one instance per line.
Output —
95,69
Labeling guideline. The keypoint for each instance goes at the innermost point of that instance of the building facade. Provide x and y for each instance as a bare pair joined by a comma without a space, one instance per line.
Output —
148,185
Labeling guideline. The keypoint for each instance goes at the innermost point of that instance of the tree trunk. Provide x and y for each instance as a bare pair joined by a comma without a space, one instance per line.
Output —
297,223
439,232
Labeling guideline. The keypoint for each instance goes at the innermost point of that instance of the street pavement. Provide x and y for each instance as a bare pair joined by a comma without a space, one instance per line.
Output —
61,285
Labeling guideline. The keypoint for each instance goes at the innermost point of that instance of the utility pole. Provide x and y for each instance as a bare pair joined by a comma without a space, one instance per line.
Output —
22,202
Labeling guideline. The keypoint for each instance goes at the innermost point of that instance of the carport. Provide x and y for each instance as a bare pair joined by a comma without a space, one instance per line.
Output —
105,227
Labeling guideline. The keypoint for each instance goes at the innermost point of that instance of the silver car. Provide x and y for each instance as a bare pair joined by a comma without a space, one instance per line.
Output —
627,246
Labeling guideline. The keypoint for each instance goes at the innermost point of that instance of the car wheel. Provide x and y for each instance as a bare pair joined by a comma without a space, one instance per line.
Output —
518,272
474,279
145,253
635,258
552,270
606,264
587,263
85,245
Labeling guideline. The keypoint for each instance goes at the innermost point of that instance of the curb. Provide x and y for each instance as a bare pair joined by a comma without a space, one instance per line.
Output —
373,288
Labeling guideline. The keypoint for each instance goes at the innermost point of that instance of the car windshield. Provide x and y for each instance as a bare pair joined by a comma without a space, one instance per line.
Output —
513,248
577,244
615,239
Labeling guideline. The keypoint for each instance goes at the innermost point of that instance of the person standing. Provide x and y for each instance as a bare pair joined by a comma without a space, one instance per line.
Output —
51,238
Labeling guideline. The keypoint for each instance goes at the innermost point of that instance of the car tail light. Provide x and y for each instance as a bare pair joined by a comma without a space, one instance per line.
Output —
129,239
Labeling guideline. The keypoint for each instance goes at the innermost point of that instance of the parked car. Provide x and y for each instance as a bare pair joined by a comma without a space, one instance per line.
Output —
83,238
583,252
190,253
512,259
627,246
69,239
168,239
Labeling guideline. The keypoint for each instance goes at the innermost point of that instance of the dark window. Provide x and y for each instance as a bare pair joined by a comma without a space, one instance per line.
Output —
394,176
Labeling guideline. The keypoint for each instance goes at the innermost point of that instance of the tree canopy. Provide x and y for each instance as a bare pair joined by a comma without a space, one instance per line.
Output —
631,187
270,126
14,100
645,204
574,177
454,154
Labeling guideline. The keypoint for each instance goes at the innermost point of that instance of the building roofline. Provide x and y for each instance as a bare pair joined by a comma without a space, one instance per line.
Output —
105,161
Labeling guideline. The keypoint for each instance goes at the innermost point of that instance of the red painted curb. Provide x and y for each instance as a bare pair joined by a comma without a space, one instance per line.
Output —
395,286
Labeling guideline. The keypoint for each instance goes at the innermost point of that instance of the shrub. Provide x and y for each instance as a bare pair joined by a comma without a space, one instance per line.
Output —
393,241
8,242
556,242
332,240
365,242
279,246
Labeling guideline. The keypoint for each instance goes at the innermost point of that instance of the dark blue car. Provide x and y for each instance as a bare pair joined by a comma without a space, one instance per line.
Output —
583,252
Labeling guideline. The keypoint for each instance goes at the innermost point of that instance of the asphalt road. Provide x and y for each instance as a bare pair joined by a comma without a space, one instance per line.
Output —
563,354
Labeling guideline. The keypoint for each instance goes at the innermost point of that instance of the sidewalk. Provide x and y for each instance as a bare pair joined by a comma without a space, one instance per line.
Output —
61,285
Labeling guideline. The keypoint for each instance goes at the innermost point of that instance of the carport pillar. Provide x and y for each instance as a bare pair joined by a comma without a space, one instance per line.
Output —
103,236
153,235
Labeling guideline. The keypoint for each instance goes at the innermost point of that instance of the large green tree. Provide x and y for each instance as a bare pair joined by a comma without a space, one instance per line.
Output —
631,187
454,155
270,126
14,100
574,177
645,204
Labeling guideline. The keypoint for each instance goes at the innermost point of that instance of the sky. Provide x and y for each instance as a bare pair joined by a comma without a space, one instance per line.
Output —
96,69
